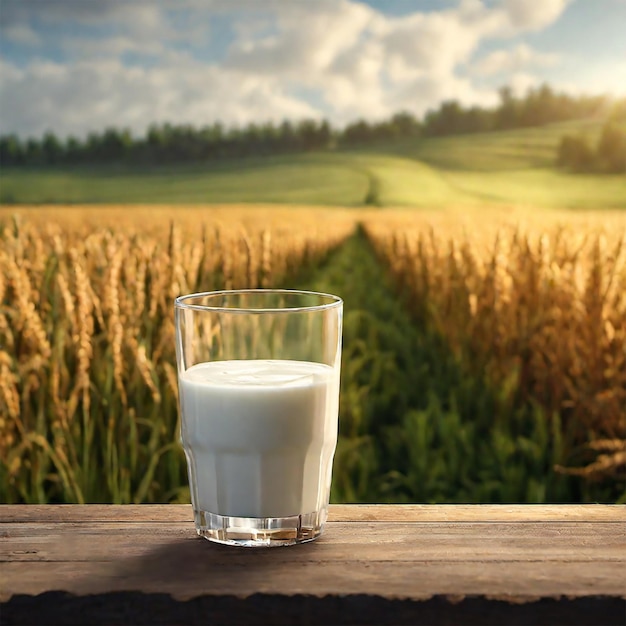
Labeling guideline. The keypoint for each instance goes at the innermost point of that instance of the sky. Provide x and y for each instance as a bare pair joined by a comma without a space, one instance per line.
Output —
77,66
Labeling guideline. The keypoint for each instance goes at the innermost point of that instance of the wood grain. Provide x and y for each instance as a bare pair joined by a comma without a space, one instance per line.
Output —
166,513
516,554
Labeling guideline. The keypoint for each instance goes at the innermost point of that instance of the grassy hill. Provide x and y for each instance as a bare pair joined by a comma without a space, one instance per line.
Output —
497,151
513,168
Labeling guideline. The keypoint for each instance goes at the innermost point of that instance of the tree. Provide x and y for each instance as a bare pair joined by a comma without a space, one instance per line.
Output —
34,152
507,112
74,151
11,150
575,154
356,133
115,144
611,151
287,137
51,148
405,125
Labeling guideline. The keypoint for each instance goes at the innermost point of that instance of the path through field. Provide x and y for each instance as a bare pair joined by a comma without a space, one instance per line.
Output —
414,425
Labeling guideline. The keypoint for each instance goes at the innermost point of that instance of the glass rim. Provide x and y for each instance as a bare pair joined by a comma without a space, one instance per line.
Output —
181,301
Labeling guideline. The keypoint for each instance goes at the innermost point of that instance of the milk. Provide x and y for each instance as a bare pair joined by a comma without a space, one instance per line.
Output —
259,436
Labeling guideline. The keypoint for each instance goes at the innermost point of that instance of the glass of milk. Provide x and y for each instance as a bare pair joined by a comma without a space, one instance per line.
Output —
258,375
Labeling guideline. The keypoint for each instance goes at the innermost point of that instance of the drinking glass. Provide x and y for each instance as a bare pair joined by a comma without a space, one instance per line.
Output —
258,376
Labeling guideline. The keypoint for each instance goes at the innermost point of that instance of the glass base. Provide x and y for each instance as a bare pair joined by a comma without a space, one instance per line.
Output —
260,532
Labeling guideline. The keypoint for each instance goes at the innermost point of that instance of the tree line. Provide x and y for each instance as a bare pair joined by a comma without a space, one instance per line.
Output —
169,143
577,153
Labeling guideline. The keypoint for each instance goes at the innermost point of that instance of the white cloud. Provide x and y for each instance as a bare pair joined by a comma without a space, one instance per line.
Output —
521,82
531,15
509,18
82,47
513,60
93,94
427,92
367,64
305,40
145,21
435,42
21,34
356,61
9,73
79,11
362,63
595,78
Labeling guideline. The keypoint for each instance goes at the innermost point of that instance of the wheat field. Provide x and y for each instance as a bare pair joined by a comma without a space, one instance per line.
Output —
88,386
537,302
88,392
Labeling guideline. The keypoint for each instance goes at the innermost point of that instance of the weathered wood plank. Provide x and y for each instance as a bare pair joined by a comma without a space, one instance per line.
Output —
450,541
374,544
409,553
186,578
167,513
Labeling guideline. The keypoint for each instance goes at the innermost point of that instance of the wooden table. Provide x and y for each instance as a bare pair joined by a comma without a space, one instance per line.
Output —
382,564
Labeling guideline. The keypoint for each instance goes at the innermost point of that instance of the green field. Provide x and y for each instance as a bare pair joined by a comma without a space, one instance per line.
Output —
513,168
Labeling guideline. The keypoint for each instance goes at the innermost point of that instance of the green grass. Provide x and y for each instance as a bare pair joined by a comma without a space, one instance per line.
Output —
513,168
525,148
298,180
542,188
